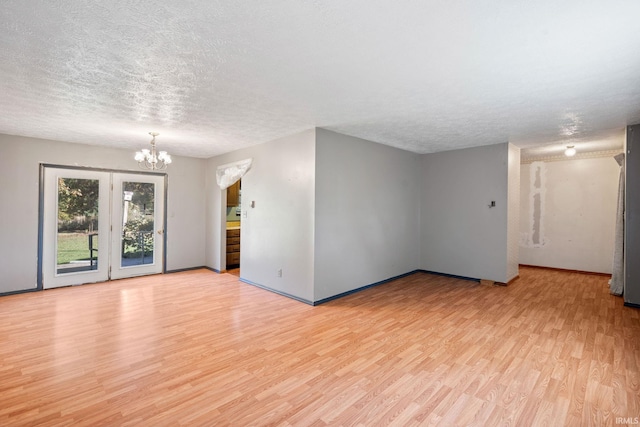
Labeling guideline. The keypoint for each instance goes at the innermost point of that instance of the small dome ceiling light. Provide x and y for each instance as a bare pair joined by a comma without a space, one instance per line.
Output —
570,151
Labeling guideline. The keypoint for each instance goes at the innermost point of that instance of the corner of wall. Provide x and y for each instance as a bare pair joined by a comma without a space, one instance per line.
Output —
276,234
367,208
460,234
513,213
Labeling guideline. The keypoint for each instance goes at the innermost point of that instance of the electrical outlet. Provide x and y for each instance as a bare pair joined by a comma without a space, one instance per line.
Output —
279,272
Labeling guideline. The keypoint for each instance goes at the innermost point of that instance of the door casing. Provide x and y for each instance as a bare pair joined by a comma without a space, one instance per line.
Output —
41,207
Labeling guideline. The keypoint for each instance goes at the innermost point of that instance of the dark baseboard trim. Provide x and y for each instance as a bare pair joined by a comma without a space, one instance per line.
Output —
313,303
344,294
284,294
353,291
632,305
362,288
21,291
180,270
453,276
566,270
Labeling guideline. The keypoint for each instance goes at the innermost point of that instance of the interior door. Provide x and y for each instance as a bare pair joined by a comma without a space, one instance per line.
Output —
75,227
137,240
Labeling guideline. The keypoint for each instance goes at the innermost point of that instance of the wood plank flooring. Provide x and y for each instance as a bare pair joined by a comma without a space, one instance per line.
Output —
199,348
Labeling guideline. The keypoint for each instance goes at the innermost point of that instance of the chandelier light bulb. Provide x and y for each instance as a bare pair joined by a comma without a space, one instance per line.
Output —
163,156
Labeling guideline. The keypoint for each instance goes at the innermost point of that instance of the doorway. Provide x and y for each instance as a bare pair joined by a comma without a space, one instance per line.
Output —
233,227
99,225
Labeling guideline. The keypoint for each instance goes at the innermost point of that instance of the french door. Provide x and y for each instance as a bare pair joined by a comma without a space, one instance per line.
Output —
100,225
137,216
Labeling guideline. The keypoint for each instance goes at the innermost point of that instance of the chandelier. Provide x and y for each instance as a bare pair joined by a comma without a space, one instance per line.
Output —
151,159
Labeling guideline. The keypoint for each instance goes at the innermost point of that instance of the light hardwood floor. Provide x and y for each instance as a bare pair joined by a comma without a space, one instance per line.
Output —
198,348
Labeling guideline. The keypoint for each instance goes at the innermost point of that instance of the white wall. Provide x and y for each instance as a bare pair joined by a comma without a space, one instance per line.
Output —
278,232
460,234
367,213
577,219
19,185
513,212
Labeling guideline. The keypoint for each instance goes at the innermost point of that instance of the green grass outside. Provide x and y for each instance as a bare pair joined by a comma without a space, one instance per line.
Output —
74,247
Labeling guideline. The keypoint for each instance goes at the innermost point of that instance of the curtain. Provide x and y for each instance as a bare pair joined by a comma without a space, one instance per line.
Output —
616,284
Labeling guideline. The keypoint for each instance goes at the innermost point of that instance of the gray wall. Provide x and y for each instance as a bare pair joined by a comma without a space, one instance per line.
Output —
278,232
19,171
460,234
336,213
632,212
367,213
333,212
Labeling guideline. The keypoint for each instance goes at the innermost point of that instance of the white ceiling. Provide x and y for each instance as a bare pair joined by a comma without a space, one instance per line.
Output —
423,75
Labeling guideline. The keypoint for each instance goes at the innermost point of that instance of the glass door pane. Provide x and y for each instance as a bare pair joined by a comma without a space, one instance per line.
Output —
137,223
77,234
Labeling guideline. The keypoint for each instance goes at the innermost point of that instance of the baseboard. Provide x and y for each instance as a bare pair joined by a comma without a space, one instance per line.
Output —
21,291
344,294
362,288
284,294
331,298
180,270
453,276
566,270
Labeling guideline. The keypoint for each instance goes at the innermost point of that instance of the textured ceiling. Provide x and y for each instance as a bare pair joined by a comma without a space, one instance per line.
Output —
607,146
215,76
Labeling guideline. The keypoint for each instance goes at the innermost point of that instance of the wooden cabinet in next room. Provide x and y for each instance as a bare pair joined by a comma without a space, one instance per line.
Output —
233,248
233,195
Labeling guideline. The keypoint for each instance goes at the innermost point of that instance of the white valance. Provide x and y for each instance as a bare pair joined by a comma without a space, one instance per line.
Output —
229,174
